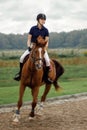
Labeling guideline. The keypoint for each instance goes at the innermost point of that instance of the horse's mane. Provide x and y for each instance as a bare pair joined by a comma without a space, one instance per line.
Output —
41,41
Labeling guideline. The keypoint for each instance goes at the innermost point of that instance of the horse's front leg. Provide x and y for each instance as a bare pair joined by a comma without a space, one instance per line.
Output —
19,104
21,93
35,92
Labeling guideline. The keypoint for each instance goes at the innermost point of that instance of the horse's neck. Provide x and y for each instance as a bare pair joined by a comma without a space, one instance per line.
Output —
30,63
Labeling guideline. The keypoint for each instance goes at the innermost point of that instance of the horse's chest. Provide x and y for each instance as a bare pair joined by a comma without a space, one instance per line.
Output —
33,80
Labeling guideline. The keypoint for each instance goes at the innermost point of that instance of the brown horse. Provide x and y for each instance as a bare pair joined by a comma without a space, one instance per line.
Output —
33,75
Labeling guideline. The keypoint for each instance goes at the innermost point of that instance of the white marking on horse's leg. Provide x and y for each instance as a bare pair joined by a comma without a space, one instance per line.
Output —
16,117
41,104
39,109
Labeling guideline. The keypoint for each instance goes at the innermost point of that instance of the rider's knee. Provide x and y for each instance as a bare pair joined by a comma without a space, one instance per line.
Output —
47,59
21,59
47,62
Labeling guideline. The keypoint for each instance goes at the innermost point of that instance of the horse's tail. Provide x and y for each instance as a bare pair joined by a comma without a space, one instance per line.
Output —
59,72
59,69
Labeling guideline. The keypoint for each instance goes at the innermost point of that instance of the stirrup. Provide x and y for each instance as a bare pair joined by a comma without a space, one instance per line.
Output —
17,77
49,80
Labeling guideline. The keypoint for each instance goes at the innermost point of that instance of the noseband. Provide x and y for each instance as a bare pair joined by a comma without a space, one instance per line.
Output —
36,59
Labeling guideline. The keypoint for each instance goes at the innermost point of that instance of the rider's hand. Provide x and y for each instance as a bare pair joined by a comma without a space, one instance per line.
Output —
29,49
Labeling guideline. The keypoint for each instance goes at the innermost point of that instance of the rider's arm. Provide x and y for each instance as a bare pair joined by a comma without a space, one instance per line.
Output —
29,40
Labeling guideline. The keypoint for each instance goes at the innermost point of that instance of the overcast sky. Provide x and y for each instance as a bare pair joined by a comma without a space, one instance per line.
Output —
17,16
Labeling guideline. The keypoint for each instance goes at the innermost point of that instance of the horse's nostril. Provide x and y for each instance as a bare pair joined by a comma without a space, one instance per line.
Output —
38,66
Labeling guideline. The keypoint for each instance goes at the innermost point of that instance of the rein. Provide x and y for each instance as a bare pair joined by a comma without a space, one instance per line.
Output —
37,54
36,59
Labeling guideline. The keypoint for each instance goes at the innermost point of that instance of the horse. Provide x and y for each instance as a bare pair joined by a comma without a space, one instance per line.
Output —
33,76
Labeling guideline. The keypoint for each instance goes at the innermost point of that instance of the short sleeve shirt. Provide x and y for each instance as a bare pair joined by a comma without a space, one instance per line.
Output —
35,32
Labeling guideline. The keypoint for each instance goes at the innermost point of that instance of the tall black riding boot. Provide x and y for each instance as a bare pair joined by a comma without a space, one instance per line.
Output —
48,69
18,75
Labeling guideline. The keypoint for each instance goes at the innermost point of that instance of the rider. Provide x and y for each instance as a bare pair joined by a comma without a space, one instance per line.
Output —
34,32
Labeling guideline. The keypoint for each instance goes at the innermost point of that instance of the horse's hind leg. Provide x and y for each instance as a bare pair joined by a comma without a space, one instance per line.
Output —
47,88
39,108
21,92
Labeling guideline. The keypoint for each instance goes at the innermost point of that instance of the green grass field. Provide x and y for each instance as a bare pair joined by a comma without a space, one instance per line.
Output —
74,79
10,94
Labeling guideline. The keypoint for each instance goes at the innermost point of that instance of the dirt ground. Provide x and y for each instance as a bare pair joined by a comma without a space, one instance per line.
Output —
60,115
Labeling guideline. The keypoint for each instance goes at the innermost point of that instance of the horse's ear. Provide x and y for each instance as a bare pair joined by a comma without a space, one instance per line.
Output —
41,41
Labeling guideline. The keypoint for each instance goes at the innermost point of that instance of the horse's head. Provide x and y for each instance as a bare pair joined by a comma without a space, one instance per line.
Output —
41,41
37,55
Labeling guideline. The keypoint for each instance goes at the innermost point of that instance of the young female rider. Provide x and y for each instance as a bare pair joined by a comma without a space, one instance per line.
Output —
34,32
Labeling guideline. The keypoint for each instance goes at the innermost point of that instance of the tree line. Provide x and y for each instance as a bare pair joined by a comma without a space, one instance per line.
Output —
73,39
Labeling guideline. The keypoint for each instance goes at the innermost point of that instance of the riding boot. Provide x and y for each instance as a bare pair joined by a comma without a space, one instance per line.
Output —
18,75
48,69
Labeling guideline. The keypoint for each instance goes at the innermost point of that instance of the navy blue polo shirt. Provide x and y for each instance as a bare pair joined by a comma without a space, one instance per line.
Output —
35,32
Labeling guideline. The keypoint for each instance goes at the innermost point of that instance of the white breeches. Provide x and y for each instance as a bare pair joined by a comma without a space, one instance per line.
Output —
24,55
47,59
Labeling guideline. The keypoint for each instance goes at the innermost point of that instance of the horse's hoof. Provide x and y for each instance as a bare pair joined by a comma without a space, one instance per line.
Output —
31,118
31,114
16,120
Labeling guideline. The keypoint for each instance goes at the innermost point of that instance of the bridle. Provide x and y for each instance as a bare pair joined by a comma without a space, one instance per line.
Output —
38,62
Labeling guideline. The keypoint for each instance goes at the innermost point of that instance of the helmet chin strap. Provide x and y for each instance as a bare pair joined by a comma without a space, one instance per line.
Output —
40,24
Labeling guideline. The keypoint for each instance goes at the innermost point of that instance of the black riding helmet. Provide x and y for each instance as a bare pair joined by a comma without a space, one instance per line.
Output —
41,16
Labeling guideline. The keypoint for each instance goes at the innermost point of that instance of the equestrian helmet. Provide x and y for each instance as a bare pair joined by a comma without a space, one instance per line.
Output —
41,16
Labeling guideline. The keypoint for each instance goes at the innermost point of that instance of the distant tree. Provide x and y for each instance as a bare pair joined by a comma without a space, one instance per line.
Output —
73,39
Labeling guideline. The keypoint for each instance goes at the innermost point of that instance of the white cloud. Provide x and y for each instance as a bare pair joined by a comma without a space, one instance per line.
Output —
17,16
